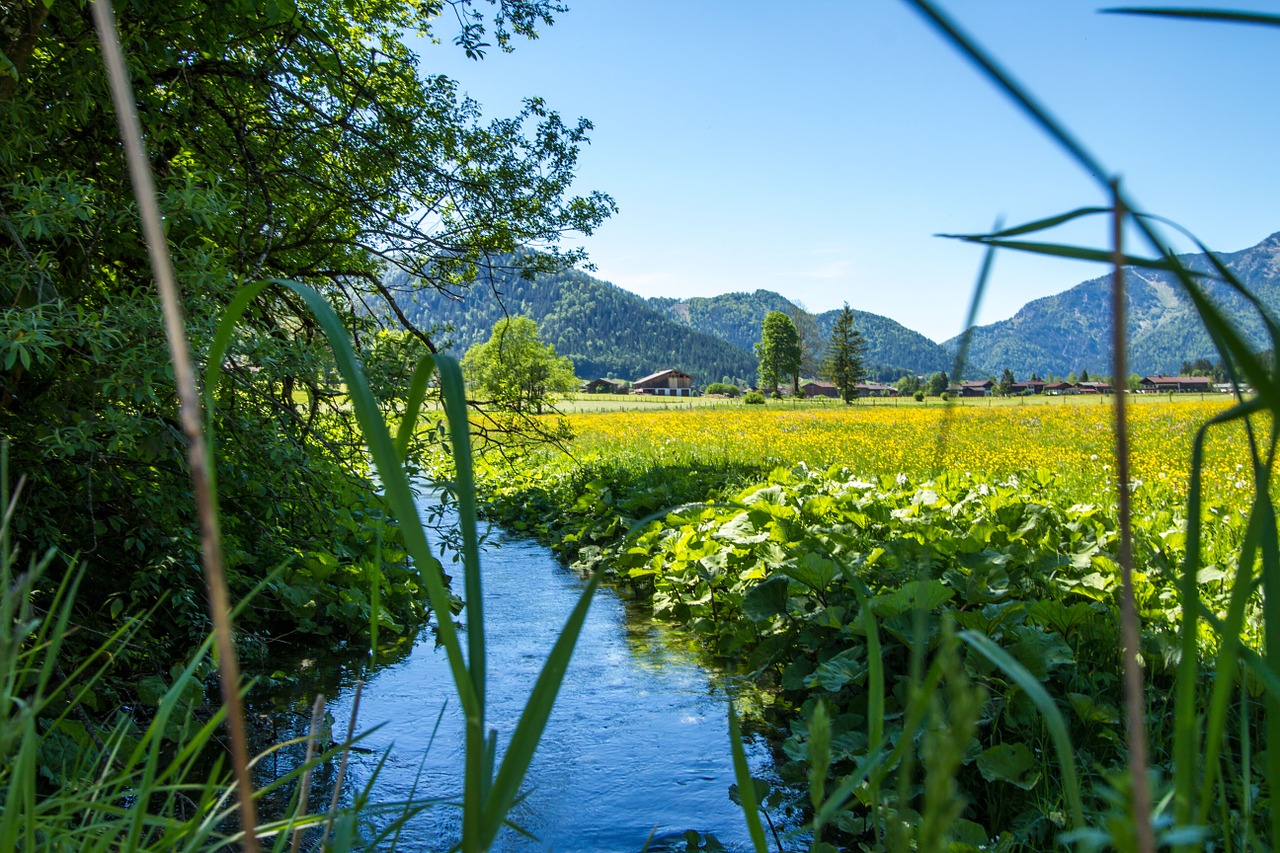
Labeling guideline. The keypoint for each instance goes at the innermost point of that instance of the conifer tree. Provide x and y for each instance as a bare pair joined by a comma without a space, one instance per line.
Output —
844,366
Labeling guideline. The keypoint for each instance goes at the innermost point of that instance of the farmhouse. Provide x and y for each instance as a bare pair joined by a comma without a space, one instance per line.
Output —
1031,386
1176,385
818,388
1060,388
664,383
875,389
604,386
973,388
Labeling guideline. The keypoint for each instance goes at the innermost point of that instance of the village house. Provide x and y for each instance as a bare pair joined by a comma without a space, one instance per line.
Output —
604,386
875,389
818,388
1031,386
664,383
1060,388
1176,385
972,388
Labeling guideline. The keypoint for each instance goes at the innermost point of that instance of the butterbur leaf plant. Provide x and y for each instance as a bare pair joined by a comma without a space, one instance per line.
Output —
1215,747
1199,772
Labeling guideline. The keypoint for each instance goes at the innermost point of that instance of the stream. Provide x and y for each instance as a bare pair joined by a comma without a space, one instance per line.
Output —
637,744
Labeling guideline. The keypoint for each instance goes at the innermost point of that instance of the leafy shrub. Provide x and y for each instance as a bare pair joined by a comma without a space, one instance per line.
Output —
753,398
723,388
919,395
946,395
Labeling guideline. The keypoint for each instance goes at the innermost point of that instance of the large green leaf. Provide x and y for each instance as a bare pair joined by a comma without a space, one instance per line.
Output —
1010,762
766,600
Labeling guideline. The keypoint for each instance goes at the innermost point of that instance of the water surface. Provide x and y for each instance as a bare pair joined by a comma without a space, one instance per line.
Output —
637,743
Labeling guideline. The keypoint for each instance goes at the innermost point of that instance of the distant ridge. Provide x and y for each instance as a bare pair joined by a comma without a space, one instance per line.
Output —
1071,330
607,331
892,348
611,332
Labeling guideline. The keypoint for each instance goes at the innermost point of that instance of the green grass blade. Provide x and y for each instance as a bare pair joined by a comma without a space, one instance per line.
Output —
1225,16
1270,552
528,731
1049,711
1186,736
1032,227
479,772
418,384
395,483
1225,665
746,786
875,687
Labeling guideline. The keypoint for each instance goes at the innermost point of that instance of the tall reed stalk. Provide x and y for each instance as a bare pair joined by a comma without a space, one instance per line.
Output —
488,793
1246,368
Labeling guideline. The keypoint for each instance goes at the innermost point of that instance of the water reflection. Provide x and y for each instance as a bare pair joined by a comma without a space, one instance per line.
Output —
637,743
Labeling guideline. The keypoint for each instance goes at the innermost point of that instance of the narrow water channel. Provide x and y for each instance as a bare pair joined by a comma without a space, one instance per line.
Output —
637,743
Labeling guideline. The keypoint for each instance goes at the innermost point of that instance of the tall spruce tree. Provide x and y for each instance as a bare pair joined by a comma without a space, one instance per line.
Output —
844,366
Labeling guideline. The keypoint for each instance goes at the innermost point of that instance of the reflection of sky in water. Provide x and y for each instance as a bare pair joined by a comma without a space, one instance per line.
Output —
637,743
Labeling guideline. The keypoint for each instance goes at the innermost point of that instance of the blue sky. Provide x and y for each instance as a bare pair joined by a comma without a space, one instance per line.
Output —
816,148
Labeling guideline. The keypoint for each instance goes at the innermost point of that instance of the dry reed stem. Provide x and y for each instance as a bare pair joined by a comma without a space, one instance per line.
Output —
342,765
1134,705
189,405
304,795
13,503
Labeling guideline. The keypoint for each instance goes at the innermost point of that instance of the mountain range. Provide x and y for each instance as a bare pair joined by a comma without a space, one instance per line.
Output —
611,332
1072,330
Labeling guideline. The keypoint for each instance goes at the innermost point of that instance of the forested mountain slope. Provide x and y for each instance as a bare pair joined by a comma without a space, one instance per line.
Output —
892,349
606,330
1071,331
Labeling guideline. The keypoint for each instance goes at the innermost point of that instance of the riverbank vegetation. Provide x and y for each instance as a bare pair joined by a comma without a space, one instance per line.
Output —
280,157
811,543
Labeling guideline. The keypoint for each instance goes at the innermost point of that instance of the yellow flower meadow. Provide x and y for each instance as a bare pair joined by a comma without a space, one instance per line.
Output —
1074,441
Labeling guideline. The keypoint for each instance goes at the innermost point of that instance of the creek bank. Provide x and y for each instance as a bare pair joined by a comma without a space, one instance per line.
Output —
637,743
814,579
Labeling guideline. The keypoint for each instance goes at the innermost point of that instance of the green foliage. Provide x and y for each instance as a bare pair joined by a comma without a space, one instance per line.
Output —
723,388
753,398
515,370
798,576
938,383
1006,382
779,352
919,396
287,140
843,365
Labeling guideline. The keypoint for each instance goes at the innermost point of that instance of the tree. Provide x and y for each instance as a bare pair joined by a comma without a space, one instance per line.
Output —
908,384
938,383
779,352
1005,383
515,370
810,338
843,366
292,141
1084,375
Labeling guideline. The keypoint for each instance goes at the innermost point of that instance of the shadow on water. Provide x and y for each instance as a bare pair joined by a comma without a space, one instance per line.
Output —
637,744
